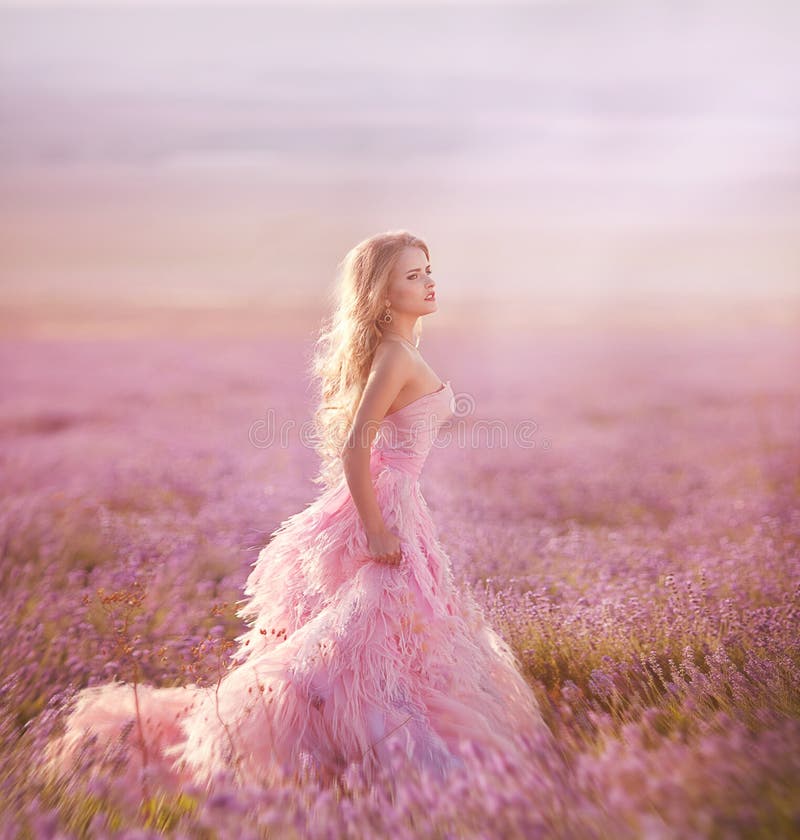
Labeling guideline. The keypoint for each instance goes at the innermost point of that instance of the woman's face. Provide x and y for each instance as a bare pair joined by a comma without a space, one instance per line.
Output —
411,285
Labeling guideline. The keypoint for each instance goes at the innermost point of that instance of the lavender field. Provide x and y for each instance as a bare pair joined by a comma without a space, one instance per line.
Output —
639,549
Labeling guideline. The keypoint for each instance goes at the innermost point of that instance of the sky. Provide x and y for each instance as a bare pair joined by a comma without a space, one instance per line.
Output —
608,119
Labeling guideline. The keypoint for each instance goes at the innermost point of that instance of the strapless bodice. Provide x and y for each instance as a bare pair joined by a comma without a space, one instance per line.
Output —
405,436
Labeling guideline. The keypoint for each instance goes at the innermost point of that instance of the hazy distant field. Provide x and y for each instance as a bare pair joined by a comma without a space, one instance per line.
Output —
642,557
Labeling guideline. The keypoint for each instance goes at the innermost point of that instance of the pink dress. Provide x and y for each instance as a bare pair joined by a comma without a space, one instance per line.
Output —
343,657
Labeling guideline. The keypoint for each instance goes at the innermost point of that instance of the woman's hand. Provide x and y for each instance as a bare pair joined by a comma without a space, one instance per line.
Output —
384,547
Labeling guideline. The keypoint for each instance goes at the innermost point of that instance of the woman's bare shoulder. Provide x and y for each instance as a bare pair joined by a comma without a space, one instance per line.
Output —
394,354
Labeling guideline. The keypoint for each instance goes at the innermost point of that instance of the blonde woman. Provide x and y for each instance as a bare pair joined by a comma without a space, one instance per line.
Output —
358,640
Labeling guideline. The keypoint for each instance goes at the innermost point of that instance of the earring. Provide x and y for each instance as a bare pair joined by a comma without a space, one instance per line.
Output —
386,318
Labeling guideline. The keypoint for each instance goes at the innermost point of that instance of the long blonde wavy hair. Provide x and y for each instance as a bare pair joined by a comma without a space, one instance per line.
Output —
347,341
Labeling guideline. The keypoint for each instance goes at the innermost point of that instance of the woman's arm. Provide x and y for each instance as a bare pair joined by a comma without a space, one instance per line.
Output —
391,370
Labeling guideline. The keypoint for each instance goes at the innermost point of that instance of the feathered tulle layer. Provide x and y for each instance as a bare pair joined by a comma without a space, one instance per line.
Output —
343,657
